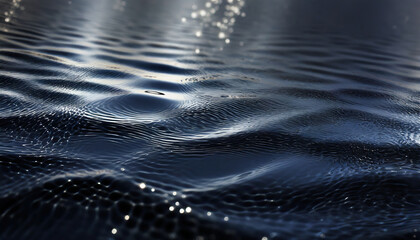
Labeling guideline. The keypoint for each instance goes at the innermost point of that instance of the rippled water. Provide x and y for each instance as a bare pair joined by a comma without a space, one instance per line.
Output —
161,119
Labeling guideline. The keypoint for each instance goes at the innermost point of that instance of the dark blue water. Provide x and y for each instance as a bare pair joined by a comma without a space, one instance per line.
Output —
153,119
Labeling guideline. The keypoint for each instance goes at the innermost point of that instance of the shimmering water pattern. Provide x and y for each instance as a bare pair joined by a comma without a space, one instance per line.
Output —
217,119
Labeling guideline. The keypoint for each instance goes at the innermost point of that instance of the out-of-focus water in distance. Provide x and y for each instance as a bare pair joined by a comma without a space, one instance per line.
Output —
239,119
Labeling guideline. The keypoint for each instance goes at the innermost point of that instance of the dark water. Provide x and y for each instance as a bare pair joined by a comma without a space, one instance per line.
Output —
299,119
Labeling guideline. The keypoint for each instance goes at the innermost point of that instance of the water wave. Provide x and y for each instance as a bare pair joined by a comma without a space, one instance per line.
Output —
120,121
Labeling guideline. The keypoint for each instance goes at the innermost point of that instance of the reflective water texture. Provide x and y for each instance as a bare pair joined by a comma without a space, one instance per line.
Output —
152,119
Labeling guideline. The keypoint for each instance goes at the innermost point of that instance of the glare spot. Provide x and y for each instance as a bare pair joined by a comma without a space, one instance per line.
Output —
177,204
126,217
203,13
222,35
183,20
171,208
142,185
197,50
181,210
123,169
188,210
193,15
209,214
227,40
198,34
114,231
174,193
264,238
226,219
153,190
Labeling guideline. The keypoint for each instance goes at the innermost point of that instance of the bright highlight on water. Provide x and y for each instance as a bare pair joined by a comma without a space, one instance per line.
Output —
213,119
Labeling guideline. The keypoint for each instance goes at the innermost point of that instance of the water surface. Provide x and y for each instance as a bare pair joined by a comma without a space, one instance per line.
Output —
153,119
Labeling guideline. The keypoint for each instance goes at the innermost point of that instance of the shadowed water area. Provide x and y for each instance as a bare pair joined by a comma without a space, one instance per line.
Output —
239,119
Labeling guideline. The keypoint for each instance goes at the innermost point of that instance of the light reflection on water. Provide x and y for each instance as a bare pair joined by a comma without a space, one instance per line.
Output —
217,14
217,119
